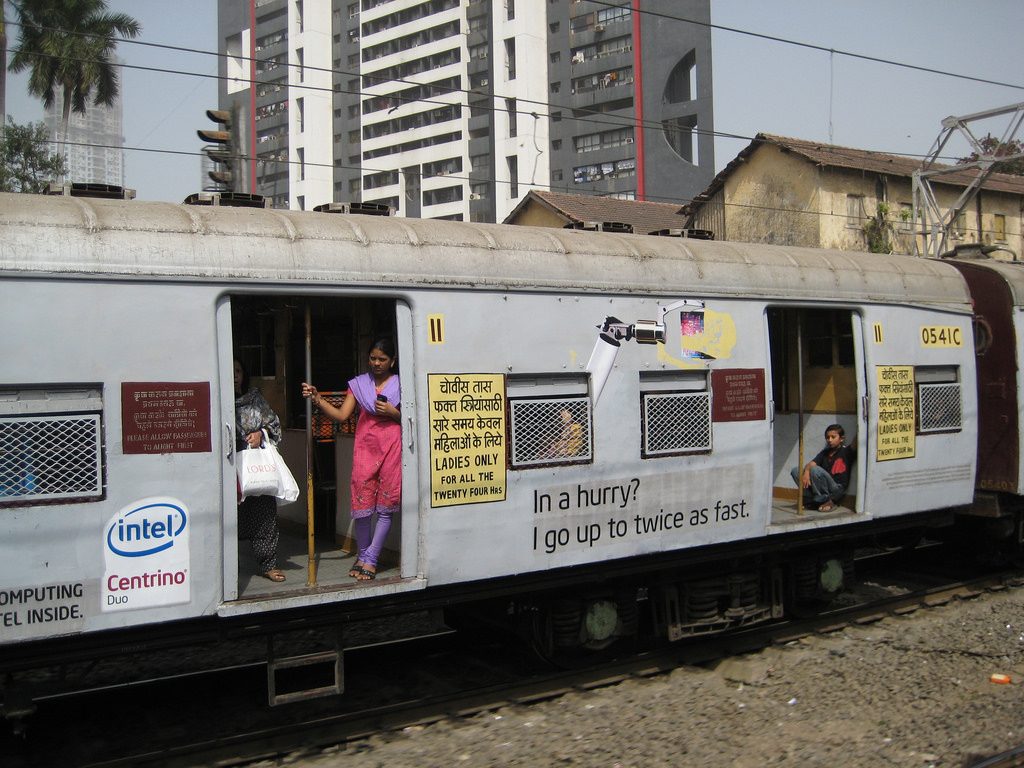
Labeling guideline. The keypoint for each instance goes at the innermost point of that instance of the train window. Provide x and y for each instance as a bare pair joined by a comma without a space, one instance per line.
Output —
938,399
829,336
550,421
51,444
253,323
675,413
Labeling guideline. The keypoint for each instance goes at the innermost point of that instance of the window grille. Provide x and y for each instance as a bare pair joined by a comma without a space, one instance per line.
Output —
939,407
51,457
550,431
324,427
676,422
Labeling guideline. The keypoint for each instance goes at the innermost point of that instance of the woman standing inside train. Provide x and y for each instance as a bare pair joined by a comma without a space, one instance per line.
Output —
376,484
257,515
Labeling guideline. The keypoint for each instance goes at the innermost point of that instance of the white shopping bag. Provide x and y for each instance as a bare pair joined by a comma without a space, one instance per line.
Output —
258,472
289,490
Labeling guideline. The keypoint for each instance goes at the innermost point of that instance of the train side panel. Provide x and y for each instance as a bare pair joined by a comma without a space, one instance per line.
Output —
119,408
922,420
621,496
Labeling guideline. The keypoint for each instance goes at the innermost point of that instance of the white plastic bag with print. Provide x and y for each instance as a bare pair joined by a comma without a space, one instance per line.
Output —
258,472
289,491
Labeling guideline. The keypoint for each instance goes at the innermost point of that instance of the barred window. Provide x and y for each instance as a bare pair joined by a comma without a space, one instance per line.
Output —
675,413
550,421
939,404
51,445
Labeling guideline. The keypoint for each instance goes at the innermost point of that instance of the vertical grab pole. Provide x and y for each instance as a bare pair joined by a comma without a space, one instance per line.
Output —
800,409
310,516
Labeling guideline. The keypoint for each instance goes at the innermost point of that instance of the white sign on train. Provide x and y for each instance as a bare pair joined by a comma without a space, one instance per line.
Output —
146,556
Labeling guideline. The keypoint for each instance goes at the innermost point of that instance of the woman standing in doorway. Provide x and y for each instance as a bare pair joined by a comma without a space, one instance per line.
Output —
377,454
257,515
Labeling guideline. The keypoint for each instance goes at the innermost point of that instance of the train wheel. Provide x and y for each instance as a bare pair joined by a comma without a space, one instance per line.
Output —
570,631
816,581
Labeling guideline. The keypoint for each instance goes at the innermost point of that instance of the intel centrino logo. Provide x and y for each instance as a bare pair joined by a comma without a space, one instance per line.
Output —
146,529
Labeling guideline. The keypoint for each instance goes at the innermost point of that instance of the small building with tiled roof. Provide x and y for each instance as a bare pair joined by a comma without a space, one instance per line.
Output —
557,209
795,192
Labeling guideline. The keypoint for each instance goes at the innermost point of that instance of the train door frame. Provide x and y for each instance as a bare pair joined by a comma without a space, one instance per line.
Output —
229,493
409,524
863,443
781,375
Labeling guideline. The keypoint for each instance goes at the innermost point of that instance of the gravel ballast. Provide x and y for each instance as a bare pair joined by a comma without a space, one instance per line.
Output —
910,691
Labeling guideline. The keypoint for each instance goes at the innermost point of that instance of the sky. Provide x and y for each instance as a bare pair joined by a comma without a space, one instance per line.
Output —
825,94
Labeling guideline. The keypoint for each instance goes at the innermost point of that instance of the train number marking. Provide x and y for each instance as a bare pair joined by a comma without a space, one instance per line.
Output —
941,336
436,324
878,332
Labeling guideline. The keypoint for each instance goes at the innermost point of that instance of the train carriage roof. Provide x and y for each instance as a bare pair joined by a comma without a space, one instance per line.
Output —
81,236
1011,272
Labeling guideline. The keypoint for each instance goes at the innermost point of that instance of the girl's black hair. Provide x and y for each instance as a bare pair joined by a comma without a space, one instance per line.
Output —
385,345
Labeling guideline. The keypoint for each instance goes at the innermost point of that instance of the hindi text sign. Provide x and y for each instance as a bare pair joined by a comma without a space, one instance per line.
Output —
897,406
467,438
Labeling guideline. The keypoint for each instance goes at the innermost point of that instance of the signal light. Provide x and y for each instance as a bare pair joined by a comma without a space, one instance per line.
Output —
222,177
224,148
215,137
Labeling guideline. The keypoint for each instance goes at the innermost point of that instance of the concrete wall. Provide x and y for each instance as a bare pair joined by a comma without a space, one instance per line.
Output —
773,199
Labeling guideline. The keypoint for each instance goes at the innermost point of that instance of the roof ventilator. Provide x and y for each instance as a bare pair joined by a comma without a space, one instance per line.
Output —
366,209
600,226
81,189
693,234
228,199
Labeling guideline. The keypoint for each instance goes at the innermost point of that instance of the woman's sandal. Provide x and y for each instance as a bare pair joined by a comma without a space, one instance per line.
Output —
366,574
828,506
357,568
274,574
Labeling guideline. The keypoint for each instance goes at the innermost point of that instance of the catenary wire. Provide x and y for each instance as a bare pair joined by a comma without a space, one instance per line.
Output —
621,123
618,123
456,176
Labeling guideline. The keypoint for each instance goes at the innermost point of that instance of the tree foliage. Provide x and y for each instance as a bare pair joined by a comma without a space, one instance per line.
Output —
69,45
992,146
26,162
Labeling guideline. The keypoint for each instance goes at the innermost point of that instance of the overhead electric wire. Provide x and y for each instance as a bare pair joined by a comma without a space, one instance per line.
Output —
457,176
625,122
612,121
813,46
619,123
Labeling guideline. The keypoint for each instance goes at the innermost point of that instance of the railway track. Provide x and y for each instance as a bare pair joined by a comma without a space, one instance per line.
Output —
220,717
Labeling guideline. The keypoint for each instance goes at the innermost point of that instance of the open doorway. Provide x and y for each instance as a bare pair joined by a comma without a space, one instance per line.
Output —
814,385
282,340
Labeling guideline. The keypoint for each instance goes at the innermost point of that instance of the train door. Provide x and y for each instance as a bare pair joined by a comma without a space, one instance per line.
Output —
815,383
281,341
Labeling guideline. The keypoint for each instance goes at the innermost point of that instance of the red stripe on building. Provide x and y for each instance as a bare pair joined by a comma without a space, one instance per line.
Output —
638,102
252,95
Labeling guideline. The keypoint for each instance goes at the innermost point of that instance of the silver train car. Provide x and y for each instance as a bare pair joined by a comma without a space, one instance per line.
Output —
694,375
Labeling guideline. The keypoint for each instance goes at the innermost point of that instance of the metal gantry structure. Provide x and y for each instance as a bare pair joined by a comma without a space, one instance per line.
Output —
935,223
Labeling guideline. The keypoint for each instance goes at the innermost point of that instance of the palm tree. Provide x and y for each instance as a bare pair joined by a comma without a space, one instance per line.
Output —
68,45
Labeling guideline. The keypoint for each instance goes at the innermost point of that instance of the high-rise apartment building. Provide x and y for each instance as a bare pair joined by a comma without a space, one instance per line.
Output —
95,142
457,108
